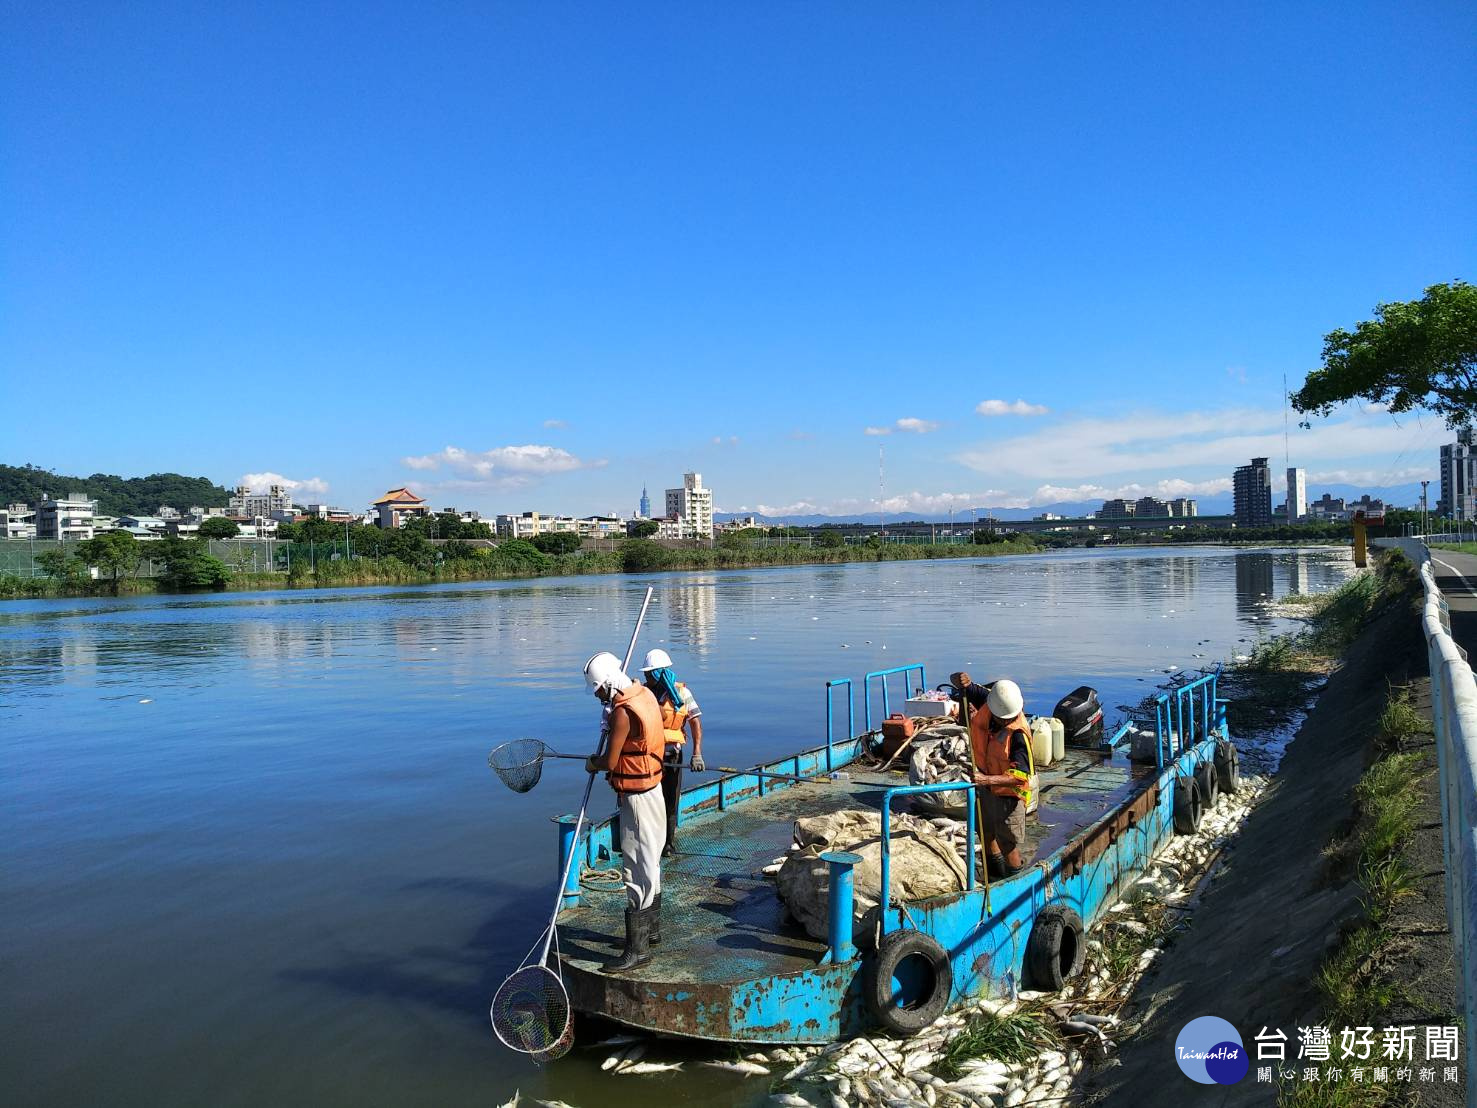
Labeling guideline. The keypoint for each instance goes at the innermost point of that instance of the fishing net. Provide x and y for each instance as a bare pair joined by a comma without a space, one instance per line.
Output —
519,763
531,1013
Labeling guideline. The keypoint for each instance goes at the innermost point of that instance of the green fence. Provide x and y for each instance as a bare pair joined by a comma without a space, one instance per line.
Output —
18,556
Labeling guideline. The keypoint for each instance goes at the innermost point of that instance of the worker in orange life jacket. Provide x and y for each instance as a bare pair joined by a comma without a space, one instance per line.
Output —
631,760
1003,771
681,717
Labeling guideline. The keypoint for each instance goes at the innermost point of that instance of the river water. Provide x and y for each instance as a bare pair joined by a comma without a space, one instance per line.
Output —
251,851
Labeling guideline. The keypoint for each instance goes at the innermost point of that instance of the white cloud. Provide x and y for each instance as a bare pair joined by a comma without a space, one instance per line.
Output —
911,424
555,424
1146,442
501,467
1169,489
1004,408
1374,478
917,426
731,440
261,482
800,436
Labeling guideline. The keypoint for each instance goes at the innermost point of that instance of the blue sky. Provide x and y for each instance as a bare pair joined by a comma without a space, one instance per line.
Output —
536,255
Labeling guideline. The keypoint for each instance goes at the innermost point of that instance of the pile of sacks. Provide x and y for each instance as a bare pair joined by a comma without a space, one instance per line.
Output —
925,863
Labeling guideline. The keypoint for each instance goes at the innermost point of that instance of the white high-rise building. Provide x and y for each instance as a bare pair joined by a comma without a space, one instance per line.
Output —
66,517
692,505
1297,495
1458,472
244,502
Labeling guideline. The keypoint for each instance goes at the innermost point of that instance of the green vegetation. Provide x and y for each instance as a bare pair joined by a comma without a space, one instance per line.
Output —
219,527
1018,1037
1459,547
1357,982
115,496
115,553
1417,354
188,565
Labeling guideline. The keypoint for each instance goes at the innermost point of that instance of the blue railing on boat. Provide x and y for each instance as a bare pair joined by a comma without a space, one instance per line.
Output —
1186,715
850,716
882,675
886,875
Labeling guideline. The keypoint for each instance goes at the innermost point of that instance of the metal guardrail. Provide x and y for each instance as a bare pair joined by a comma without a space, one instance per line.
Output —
1454,716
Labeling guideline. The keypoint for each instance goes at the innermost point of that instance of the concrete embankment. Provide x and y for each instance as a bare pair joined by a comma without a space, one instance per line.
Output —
1287,900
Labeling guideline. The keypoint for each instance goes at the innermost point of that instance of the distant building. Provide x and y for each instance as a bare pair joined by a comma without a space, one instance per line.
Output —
1150,507
152,525
1116,509
330,513
645,512
526,525
1252,494
398,507
693,506
1458,478
600,527
739,523
244,502
166,512
1046,516
1183,508
1328,507
18,521
1366,504
1297,495
69,517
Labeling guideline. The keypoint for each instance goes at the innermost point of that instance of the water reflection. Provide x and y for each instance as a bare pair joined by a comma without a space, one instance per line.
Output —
293,787
1253,581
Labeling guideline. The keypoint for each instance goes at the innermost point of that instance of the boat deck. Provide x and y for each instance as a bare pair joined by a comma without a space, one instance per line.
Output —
723,922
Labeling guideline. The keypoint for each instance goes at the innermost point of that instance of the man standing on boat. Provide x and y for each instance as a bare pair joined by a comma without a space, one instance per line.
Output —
1003,770
680,717
631,760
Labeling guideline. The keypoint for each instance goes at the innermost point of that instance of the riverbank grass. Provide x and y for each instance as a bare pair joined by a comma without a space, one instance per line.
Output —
1358,982
1015,1037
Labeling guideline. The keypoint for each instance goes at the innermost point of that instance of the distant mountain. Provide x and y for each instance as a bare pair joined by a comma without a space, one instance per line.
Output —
1395,496
115,495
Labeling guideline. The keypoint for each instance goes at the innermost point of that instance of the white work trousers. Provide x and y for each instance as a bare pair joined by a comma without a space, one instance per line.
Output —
643,833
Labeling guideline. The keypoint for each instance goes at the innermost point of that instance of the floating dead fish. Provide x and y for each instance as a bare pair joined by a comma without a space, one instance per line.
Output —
640,1068
748,1069
511,1103
555,1104
617,1040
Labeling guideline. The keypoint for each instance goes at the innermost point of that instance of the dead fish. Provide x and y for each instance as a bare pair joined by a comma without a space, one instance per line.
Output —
511,1103
555,1104
790,1100
748,1069
622,1056
639,1068
618,1040
632,1055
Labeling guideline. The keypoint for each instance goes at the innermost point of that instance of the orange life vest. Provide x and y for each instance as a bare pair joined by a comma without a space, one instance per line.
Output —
639,765
992,753
674,718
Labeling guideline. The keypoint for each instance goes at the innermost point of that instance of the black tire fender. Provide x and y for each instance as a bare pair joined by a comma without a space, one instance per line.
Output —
895,948
1056,949
1188,805
1209,782
1227,766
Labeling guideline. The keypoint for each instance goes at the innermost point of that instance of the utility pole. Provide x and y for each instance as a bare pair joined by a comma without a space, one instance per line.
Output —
1425,522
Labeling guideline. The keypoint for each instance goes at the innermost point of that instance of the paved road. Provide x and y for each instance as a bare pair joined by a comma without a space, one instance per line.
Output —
1456,577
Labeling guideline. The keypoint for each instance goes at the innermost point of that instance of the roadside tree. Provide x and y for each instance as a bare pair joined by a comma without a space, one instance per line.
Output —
1418,354
219,527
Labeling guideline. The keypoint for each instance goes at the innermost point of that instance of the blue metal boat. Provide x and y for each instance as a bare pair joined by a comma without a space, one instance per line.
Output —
734,967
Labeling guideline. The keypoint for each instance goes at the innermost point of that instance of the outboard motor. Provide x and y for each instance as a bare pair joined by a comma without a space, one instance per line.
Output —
1082,717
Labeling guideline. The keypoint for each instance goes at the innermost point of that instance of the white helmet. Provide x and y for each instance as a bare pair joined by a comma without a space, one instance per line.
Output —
603,671
1005,701
657,659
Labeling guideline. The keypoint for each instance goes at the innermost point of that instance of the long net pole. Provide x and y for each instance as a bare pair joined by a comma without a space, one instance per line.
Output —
579,822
